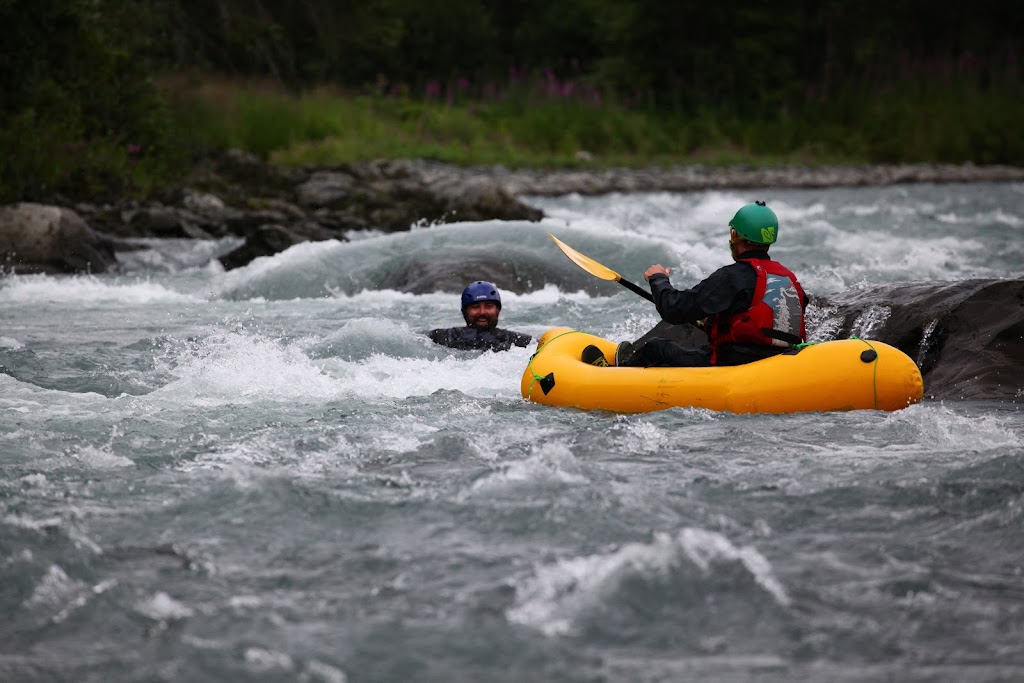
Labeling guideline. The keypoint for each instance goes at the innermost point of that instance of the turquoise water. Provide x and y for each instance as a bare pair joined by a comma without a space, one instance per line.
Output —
270,474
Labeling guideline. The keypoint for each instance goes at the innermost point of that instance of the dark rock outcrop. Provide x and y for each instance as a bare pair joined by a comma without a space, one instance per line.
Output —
967,337
273,208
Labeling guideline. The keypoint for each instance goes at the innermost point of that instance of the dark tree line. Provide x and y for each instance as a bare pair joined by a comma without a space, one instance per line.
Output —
747,54
742,52
82,70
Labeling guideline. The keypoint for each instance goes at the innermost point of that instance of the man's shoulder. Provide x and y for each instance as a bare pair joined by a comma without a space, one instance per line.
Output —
731,271
447,335
517,338
467,338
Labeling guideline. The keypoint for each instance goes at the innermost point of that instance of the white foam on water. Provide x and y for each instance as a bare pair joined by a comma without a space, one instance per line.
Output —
37,479
552,463
364,336
480,374
172,255
303,270
830,246
995,216
9,343
162,607
303,255
705,548
54,588
547,295
265,661
392,297
240,461
320,671
665,216
242,367
398,443
870,254
935,427
57,595
28,399
558,593
100,458
381,302
641,437
86,290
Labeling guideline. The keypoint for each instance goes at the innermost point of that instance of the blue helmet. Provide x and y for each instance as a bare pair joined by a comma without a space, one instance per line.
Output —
480,291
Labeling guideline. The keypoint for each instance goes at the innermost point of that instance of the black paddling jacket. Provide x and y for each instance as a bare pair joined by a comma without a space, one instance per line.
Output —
469,338
728,290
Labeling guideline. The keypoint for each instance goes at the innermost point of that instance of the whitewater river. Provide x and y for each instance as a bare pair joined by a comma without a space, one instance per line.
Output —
270,474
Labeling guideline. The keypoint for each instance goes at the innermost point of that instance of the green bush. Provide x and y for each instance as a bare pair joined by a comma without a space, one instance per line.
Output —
78,114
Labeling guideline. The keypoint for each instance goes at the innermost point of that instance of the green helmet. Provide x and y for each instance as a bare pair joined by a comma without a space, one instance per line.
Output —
756,223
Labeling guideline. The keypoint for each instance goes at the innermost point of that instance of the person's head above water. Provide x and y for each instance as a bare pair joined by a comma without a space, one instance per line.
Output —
754,226
481,304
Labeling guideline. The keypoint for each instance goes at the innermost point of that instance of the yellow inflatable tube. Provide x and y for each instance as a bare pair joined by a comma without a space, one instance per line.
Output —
848,374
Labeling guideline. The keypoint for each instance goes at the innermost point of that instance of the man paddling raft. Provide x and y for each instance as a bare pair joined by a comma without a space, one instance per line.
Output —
750,309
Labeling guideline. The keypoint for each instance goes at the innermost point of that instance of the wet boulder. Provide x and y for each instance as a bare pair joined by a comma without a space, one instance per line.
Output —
266,240
36,238
967,337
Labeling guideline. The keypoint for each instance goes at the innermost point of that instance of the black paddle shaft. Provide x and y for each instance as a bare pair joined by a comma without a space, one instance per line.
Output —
636,290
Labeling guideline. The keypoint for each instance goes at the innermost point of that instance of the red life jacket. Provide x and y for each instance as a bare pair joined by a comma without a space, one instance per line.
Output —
775,317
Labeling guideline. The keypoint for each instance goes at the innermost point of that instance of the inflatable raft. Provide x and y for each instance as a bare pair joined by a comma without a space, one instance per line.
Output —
848,374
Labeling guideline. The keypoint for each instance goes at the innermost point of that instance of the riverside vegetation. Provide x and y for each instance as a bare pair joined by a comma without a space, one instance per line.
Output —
137,94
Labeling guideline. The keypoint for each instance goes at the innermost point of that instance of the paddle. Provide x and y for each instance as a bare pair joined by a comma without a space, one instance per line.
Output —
605,273
597,270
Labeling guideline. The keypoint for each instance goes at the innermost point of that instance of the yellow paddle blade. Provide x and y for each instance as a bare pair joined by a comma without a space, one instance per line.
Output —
585,262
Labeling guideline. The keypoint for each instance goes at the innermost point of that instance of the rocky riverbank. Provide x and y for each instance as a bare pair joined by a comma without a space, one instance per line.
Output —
693,178
273,208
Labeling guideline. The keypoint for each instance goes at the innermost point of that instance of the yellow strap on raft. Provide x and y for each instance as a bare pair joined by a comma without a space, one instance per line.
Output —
874,369
874,363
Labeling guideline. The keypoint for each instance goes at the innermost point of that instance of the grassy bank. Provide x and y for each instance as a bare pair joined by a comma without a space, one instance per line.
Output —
910,121
914,122
324,126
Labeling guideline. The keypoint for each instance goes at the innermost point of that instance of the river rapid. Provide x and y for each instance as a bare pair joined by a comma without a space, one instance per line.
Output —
271,474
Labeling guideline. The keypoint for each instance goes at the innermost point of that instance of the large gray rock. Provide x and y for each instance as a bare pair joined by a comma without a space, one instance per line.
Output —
325,189
35,238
